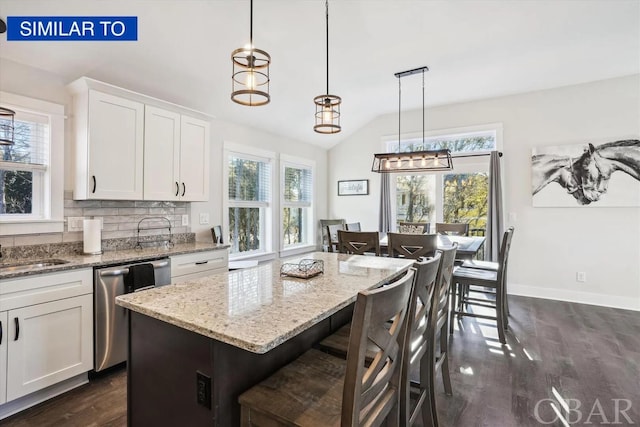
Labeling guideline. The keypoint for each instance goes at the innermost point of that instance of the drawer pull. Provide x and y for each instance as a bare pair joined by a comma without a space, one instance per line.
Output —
201,262
94,183
177,188
15,319
0,332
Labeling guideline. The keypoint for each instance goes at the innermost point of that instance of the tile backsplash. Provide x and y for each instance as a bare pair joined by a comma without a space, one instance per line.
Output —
120,220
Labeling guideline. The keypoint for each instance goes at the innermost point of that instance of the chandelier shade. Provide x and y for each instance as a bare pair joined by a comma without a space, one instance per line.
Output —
327,106
7,126
412,161
250,73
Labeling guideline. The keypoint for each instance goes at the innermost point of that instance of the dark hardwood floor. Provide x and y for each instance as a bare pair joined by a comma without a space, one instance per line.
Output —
558,354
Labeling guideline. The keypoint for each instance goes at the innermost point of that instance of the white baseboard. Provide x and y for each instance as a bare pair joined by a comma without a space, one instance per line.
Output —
22,403
614,301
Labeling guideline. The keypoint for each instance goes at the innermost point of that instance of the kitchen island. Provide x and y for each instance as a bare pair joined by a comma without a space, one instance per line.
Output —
195,346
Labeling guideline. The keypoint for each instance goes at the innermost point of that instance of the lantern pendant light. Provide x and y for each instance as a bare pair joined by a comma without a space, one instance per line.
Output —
414,161
7,126
327,106
250,78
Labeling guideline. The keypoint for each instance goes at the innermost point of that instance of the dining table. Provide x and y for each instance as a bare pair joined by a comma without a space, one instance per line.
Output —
468,246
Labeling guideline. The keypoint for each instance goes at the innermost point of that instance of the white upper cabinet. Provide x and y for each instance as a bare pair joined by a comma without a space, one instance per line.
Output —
130,146
176,156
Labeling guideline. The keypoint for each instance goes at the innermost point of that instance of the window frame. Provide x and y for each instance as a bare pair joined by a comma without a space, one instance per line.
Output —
266,207
50,187
462,165
297,163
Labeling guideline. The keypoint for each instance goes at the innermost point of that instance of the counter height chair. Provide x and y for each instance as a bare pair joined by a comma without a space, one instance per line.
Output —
319,389
353,226
413,227
454,228
358,242
468,282
332,233
411,246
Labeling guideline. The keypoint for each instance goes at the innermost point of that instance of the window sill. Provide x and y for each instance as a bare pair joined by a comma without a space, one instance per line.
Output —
297,250
31,227
259,256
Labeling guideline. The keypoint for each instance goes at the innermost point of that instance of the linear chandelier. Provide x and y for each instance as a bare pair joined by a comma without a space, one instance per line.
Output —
327,106
250,78
7,126
413,161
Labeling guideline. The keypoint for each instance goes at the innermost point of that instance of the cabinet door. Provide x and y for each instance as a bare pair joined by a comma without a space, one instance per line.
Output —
48,343
194,159
115,133
161,154
4,336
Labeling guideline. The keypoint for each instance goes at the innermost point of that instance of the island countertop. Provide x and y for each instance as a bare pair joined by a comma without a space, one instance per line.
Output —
256,309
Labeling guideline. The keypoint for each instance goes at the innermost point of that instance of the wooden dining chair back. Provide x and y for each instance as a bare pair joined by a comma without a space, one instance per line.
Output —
319,389
216,233
438,338
418,342
413,227
323,230
353,226
469,282
358,242
332,232
454,228
412,246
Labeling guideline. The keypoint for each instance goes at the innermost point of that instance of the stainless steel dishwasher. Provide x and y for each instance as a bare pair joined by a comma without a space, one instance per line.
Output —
110,328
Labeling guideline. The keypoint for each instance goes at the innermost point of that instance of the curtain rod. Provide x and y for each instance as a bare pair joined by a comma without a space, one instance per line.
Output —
455,156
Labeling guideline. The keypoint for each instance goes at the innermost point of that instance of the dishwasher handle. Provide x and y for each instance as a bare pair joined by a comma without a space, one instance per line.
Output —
125,270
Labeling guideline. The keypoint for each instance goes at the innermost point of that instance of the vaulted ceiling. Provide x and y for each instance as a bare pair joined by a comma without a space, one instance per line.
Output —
475,49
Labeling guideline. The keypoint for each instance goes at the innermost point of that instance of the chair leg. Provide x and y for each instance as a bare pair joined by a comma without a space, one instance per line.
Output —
444,355
452,305
427,376
500,315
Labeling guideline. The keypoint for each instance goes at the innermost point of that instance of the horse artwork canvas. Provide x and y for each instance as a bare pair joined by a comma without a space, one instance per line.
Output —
603,175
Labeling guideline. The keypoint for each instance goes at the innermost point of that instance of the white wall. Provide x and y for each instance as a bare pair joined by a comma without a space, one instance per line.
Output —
40,84
550,244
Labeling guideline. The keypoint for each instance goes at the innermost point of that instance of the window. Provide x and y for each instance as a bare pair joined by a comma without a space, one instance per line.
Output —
452,196
296,204
31,173
249,202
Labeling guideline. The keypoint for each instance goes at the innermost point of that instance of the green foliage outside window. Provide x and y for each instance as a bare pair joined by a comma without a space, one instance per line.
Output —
16,186
466,199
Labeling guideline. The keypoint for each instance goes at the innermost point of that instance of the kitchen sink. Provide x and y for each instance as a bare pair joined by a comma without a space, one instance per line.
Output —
12,267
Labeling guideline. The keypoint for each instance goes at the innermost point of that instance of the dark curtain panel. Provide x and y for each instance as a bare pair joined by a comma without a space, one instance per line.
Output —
495,216
384,222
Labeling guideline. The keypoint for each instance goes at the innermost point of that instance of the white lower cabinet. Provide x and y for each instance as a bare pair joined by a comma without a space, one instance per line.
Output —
47,331
199,264
49,343
3,356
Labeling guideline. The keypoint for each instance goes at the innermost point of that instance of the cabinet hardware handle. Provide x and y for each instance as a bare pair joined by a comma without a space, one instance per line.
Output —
184,189
15,319
0,332
94,183
201,262
177,188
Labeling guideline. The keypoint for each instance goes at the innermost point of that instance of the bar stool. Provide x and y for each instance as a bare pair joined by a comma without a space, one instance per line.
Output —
358,242
411,246
318,389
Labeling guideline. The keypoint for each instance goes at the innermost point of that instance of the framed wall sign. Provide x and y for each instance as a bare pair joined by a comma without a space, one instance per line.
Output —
357,187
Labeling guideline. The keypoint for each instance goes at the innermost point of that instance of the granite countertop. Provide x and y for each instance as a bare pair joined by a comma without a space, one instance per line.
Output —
76,261
256,309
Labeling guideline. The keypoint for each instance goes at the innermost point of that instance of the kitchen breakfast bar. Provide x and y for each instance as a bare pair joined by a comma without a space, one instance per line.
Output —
194,347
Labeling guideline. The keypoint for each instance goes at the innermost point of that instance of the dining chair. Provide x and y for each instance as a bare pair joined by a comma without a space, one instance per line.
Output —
358,242
494,266
413,227
353,226
323,230
415,395
437,358
319,389
411,246
492,284
453,228
216,233
332,233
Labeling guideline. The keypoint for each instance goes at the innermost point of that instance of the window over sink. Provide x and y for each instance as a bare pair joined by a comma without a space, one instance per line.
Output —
31,170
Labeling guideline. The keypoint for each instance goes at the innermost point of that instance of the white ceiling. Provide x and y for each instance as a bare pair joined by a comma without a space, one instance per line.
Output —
475,49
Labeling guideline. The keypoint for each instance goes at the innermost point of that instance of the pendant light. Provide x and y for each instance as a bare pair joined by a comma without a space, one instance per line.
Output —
7,126
250,78
414,161
327,106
